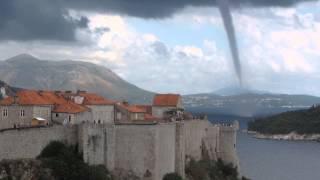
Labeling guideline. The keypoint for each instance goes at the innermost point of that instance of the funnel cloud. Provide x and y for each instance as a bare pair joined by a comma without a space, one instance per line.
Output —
228,24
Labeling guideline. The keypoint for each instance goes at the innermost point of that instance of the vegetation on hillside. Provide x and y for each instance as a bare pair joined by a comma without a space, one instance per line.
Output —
301,122
172,176
67,164
24,169
211,170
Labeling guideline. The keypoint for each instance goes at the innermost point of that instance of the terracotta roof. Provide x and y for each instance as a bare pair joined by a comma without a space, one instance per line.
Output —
131,108
94,99
69,107
62,105
146,108
26,97
32,97
166,99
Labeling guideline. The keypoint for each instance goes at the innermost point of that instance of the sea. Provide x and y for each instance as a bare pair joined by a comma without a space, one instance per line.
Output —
273,159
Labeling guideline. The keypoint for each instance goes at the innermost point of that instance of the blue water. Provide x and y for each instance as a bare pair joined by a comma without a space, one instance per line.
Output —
275,160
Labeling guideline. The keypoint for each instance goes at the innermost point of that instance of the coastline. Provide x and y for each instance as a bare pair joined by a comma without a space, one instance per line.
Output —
293,136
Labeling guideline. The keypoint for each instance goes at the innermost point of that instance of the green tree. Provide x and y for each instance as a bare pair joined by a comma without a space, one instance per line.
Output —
172,176
67,164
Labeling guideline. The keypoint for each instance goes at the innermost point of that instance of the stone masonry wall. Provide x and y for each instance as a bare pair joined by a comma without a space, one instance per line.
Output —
149,151
14,115
165,150
215,140
146,150
195,132
28,143
227,145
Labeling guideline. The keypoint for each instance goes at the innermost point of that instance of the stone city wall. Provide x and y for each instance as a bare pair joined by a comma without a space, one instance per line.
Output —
28,143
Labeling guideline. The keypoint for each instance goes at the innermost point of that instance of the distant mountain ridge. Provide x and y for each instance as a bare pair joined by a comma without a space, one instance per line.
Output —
237,90
28,72
248,105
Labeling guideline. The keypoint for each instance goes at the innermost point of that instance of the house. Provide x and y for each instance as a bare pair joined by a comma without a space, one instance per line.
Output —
168,106
63,110
126,112
102,110
67,107
55,107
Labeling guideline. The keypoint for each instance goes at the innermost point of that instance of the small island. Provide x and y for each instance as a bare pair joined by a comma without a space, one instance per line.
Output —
294,125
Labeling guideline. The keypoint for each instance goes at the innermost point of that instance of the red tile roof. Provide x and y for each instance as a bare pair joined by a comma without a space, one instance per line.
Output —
131,108
146,108
69,108
26,97
166,99
38,98
62,105
94,99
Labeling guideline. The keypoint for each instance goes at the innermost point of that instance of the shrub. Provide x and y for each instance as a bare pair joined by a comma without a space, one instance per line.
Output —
53,149
98,173
211,170
172,176
67,164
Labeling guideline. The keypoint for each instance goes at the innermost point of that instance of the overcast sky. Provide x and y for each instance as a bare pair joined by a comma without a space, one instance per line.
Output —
173,46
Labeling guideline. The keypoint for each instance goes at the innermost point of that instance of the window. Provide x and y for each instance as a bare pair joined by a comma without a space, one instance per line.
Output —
69,118
22,113
136,116
57,115
5,112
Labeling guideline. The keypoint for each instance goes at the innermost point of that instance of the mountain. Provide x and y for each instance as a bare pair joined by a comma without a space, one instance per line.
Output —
248,105
29,72
236,90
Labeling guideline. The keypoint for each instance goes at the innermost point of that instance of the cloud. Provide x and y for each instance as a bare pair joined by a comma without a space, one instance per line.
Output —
37,20
50,20
165,8
140,58
278,54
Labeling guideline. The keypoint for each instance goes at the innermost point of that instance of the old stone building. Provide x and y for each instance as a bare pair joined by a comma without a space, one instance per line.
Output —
19,110
168,106
126,113
55,107
102,110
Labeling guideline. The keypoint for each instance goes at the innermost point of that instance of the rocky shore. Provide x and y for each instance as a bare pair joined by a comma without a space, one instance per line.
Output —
293,136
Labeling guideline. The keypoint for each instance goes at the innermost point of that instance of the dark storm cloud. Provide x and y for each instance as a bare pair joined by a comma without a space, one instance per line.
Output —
166,8
83,22
37,20
47,19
